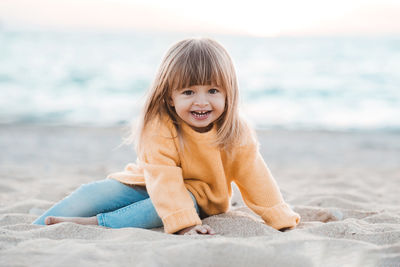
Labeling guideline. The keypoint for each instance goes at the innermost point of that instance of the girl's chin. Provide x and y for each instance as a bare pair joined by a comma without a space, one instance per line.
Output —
200,124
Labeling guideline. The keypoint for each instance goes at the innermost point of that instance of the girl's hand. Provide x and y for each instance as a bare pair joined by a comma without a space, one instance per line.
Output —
197,229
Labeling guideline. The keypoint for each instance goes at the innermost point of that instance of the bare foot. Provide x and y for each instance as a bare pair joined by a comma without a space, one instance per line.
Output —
79,220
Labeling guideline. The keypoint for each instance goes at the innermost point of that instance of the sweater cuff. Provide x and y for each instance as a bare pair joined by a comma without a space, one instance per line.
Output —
281,216
180,220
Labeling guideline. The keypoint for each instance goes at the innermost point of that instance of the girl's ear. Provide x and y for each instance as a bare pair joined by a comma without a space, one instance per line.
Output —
170,102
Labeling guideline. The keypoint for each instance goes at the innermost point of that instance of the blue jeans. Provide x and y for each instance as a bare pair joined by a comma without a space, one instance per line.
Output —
115,204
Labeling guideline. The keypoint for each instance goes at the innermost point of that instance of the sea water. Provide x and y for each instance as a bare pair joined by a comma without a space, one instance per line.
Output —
88,78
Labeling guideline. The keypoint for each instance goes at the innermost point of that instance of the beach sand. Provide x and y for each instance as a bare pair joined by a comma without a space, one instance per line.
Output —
345,186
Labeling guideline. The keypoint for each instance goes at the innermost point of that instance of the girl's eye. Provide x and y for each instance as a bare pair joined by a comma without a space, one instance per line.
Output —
187,92
213,91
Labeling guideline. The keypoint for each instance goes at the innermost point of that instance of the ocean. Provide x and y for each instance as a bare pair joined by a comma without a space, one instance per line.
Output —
99,79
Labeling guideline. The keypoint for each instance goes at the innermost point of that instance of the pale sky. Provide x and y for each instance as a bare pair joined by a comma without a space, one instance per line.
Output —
260,18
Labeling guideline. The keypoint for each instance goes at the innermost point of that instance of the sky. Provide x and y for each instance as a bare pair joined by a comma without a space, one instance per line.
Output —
259,18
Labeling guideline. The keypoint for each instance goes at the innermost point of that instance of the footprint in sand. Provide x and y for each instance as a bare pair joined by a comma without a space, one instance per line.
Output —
309,214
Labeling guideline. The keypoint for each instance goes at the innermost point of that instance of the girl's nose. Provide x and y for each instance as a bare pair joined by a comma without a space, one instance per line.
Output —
201,101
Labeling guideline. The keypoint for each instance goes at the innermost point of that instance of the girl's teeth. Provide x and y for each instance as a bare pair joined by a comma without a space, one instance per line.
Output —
200,114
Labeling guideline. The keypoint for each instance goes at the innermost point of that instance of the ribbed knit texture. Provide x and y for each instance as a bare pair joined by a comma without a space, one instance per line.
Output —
207,172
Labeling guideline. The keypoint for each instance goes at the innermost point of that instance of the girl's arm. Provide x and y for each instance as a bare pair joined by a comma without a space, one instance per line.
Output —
164,181
259,189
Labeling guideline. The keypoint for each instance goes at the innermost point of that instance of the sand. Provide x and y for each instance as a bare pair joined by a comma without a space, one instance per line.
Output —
344,185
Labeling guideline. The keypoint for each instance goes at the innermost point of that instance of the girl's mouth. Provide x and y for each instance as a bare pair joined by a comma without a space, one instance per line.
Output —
200,115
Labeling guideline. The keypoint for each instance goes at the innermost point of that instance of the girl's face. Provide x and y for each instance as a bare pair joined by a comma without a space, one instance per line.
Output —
199,105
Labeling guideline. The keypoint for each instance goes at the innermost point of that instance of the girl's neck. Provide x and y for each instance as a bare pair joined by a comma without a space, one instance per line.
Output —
203,129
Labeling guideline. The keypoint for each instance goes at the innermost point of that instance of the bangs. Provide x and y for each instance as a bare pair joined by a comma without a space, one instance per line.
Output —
200,66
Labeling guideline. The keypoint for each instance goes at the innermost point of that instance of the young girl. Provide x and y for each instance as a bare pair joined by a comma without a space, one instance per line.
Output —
191,144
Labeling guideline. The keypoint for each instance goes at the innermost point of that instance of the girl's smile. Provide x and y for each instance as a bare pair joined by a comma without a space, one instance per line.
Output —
201,115
199,105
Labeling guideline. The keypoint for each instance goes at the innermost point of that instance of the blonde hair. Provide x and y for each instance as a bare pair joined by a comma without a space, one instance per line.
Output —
194,61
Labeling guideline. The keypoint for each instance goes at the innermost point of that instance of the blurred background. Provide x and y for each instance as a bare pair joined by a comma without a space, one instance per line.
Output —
324,65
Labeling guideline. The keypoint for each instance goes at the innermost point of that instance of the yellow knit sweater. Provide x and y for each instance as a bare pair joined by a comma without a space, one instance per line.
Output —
207,172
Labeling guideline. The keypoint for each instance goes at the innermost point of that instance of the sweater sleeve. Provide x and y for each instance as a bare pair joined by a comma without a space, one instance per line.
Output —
259,189
164,181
